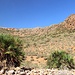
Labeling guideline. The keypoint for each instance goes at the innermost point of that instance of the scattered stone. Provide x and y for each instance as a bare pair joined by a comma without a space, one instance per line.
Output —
29,71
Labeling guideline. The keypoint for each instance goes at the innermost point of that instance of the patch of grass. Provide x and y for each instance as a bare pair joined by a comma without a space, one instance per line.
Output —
29,64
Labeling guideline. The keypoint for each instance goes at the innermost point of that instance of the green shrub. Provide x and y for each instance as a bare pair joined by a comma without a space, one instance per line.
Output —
32,59
11,50
45,58
60,59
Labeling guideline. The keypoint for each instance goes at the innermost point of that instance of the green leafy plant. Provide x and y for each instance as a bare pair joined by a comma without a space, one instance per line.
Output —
60,59
11,50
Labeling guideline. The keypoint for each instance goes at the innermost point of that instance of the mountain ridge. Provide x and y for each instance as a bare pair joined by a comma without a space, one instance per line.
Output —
38,43
68,23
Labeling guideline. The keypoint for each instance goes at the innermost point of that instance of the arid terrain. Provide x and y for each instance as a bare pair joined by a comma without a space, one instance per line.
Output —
38,43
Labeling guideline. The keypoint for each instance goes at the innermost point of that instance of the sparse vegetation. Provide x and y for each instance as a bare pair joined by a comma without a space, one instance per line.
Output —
29,64
32,59
42,41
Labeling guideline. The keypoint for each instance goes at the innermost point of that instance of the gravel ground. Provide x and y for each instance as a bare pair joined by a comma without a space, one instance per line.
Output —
40,72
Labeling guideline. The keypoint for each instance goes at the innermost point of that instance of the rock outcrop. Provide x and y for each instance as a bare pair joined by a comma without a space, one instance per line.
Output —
70,22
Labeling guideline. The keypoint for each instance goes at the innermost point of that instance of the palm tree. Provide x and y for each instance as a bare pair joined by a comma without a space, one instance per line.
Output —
60,59
11,50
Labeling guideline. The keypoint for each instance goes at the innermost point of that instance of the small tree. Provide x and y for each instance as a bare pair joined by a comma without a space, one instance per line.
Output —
60,59
11,50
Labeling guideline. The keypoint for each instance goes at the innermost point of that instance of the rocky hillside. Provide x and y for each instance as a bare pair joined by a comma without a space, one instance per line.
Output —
40,42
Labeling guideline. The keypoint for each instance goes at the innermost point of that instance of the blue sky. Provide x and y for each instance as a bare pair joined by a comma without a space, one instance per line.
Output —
34,13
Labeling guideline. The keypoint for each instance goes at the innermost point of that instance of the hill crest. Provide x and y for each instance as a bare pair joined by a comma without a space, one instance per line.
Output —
40,42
